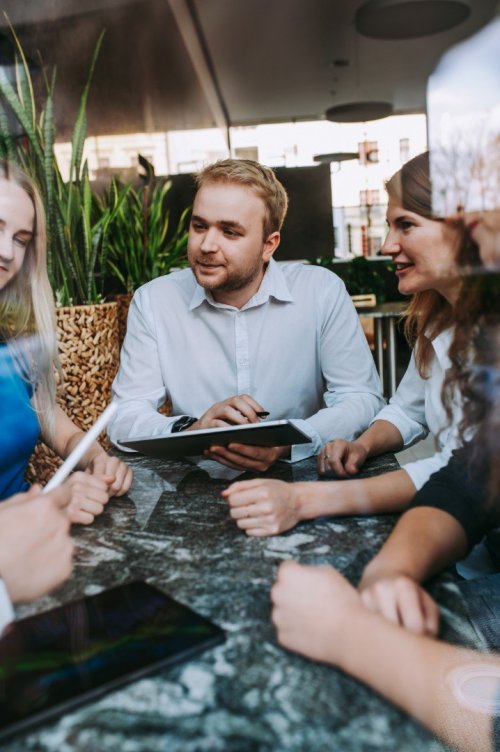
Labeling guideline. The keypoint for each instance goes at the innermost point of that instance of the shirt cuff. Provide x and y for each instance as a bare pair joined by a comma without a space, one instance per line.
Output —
6,609
303,451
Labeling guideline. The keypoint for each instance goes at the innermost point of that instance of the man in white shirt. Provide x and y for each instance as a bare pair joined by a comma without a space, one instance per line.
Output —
237,334
36,550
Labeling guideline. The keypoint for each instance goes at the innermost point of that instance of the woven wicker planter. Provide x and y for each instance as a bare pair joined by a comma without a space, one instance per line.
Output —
89,352
123,300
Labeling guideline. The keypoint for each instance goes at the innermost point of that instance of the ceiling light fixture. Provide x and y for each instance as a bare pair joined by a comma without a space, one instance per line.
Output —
358,112
406,19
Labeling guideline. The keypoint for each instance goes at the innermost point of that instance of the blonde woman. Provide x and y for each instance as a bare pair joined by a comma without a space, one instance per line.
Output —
28,354
424,251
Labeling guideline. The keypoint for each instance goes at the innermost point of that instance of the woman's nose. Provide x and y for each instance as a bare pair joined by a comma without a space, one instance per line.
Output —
6,247
391,245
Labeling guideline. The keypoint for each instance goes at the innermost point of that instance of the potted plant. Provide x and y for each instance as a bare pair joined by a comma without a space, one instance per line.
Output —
364,282
142,243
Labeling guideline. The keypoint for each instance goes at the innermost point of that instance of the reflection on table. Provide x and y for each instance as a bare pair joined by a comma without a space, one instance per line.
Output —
174,531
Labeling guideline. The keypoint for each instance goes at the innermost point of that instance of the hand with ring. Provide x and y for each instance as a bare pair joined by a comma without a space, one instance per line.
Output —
344,458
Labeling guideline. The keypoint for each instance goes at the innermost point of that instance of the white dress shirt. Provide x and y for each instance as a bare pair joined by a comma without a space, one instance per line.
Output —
6,609
296,347
417,409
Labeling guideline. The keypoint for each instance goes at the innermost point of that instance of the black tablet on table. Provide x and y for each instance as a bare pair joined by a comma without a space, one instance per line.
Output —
55,661
189,443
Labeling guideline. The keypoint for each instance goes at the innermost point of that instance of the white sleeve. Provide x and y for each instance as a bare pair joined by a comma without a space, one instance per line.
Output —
406,409
138,388
6,609
421,470
353,393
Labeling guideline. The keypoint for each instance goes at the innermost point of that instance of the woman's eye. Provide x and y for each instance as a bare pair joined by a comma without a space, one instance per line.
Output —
405,224
21,242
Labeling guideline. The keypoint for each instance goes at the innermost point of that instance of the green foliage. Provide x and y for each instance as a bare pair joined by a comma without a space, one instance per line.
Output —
77,222
142,244
360,276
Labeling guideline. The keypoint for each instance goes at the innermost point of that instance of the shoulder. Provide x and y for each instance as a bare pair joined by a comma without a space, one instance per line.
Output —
180,284
316,277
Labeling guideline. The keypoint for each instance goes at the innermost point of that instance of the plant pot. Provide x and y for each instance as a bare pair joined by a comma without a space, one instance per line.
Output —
123,300
89,353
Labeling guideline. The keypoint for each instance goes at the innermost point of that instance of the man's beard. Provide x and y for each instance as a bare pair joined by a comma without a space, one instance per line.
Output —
233,282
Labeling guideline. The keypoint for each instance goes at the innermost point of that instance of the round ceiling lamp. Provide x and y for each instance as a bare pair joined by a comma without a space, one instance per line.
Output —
358,112
336,156
405,19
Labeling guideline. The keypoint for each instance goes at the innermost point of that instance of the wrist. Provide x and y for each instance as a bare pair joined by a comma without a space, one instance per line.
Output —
364,443
380,568
315,499
184,423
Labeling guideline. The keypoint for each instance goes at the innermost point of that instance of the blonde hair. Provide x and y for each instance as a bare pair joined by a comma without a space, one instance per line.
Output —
428,312
260,179
27,310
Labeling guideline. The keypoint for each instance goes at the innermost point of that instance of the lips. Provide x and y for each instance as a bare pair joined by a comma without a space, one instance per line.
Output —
402,267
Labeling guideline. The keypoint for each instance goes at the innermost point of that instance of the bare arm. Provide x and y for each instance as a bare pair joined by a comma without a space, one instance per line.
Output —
114,474
268,507
67,436
319,614
424,541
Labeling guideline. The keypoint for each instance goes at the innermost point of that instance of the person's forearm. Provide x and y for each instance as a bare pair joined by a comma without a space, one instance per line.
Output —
382,494
413,673
381,436
94,451
424,541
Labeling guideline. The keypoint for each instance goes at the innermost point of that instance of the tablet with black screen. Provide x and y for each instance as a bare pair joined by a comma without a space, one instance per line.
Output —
188,443
57,660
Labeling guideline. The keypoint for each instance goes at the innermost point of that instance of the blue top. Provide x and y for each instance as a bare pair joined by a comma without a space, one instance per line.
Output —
19,426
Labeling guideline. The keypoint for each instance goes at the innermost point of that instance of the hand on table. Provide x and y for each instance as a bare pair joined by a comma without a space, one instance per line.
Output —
105,466
312,610
88,496
263,506
246,456
343,457
401,601
233,411
36,549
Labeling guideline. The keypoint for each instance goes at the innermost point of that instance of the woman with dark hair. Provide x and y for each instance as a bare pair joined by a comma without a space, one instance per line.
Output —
453,691
461,502
424,250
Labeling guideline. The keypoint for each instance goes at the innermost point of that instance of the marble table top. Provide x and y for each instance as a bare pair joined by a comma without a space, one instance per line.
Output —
173,530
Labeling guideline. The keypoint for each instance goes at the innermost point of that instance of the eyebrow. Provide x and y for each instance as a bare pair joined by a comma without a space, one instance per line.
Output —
19,232
220,222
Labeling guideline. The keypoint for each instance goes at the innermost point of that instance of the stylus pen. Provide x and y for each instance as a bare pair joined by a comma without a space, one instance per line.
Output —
80,449
262,414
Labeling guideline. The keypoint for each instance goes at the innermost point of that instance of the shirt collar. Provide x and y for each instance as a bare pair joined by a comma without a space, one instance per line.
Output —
274,285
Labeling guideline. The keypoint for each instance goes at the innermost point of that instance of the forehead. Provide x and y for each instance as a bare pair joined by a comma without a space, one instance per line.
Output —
16,207
219,202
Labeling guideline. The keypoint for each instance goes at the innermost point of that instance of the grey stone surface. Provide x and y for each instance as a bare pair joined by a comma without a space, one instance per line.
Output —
173,530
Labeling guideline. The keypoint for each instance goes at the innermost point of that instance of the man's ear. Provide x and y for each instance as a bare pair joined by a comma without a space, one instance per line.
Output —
270,244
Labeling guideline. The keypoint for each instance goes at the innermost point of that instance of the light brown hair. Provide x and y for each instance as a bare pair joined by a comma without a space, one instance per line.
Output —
259,178
428,312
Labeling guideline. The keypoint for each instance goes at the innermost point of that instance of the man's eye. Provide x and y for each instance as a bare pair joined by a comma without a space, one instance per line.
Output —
198,226
230,233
